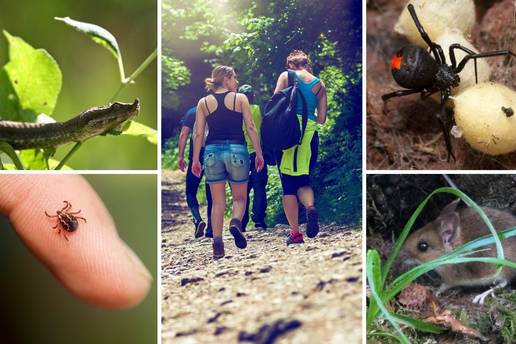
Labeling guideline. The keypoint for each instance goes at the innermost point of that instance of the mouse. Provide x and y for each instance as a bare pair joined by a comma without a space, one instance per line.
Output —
453,228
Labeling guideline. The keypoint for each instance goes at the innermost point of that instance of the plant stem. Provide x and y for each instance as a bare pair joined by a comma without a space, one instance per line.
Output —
135,74
68,156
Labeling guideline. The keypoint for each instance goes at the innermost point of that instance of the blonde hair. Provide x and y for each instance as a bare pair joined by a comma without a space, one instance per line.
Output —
217,77
300,60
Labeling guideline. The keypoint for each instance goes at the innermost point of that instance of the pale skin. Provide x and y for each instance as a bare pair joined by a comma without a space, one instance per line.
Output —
218,190
183,137
304,194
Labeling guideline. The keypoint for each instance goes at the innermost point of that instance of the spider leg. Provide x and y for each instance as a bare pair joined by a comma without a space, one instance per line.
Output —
441,116
399,93
435,48
473,55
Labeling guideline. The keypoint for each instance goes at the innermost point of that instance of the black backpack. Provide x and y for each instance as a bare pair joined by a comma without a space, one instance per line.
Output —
280,126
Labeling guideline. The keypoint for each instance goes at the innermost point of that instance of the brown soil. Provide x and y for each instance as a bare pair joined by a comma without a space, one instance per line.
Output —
404,133
267,293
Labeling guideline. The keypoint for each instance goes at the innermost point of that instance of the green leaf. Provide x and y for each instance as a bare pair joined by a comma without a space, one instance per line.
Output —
7,149
36,79
9,106
33,159
17,46
137,129
97,33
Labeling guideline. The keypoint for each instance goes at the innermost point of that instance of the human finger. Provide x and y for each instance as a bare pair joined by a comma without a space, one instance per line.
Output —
94,263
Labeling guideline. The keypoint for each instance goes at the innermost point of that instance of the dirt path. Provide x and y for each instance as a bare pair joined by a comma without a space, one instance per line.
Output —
267,293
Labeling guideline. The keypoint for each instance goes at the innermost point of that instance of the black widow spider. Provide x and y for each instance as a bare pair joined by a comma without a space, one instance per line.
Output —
414,68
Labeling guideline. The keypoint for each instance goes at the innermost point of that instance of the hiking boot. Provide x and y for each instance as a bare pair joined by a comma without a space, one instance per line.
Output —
234,229
295,238
199,229
209,232
312,226
260,226
218,249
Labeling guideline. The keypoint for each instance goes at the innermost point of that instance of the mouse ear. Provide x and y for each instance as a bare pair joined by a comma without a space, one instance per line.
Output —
451,207
449,229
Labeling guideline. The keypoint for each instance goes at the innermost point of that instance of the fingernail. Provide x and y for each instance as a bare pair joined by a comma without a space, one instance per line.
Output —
137,263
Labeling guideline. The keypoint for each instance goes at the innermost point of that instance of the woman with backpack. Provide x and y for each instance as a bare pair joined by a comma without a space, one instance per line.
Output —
297,163
225,153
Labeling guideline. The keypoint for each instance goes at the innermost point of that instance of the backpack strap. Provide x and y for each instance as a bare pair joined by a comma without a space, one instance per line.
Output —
291,77
304,116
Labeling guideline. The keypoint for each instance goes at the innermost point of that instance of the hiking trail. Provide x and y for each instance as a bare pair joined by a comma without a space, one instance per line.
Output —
266,293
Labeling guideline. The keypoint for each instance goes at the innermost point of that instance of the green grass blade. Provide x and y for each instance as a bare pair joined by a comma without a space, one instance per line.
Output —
373,271
418,324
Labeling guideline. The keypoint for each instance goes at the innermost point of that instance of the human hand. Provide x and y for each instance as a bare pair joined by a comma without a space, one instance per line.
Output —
182,164
259,163
196,168
94,263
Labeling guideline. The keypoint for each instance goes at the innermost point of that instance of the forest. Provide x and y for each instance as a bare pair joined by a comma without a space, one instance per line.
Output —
255,38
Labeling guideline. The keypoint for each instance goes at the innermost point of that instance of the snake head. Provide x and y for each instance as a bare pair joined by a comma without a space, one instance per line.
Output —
107,119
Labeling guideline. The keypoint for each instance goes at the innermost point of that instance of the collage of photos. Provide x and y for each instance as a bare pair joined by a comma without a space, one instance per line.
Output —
251,171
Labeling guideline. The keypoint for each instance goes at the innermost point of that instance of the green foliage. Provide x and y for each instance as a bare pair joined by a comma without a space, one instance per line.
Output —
377,275
32,82
174,74
170,153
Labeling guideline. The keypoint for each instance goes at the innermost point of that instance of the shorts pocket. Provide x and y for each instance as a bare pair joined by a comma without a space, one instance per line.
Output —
210,159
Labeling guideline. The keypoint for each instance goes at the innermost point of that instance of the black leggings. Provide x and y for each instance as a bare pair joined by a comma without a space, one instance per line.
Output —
192,185
291,184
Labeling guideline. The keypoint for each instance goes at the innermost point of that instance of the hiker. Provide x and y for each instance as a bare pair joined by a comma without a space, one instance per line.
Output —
192,181
296,182
257,179
225,154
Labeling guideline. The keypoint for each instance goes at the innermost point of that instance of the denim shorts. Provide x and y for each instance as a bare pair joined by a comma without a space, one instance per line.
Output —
224,161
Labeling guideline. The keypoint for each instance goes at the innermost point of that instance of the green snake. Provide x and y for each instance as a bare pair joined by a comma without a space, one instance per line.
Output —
92,122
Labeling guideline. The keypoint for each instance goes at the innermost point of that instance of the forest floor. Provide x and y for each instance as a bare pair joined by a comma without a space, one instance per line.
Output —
404,132
266,293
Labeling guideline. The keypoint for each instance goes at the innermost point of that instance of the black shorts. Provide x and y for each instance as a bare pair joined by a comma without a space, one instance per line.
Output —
291,184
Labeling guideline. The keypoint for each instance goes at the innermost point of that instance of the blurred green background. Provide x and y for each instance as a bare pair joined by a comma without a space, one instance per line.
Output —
35,308
90,73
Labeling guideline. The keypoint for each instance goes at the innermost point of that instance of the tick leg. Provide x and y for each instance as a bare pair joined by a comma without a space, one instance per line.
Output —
50,215
57,224
82,218
73,213
67,206
436,49
399,93
441,116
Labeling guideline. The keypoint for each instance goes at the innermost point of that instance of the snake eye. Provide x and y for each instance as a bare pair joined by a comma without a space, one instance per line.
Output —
422,246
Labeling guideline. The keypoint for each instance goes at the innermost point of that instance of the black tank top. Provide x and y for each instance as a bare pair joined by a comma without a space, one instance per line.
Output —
224,124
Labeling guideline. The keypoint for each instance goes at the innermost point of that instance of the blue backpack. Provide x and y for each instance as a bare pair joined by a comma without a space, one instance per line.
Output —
280,127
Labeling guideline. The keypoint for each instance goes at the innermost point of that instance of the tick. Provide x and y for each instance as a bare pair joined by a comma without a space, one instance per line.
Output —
66,219
426,72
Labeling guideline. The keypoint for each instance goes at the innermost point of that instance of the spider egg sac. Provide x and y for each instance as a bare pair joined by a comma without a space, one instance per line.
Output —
437,18
486,113
467,75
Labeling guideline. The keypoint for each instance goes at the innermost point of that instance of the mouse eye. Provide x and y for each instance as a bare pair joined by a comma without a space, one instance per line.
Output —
422,246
